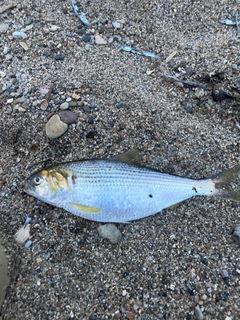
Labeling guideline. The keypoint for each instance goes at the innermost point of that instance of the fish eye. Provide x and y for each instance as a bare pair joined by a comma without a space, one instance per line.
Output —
37,180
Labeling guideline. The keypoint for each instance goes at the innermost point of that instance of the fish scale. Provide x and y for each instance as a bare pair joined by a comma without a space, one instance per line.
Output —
119,189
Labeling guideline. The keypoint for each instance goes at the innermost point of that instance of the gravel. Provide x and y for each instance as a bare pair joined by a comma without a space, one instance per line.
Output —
163,268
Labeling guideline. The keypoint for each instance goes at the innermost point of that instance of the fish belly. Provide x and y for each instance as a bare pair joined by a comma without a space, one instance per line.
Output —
123,192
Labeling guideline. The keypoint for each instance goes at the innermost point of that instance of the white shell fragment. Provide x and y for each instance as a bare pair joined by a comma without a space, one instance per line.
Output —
23,234
110,231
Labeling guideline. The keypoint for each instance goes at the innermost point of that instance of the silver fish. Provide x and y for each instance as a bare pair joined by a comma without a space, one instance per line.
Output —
120,189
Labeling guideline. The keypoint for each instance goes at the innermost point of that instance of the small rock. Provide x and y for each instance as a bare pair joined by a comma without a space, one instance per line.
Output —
188,108
72,104
5,50
23,234
86,38
76,96
23,45
64,106
189,71
59,57
225,273
86,108
198,313
28,21
130,315
54,28
55,127
9,100
43,104
19,35
117,25
67,116
119,105
110,231
234,66
236,234
68,99
99,40
90,120
45,30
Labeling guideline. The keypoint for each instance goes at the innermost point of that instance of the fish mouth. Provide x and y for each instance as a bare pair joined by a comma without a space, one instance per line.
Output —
28,187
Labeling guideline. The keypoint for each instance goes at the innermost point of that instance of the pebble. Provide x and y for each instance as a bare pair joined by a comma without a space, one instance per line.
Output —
28,244
198,313
59,57
86,38
119,105
90,120
110,231
67,116
5,50
76,96
28,21
54,28
99,40
19,35
68,99
43,104
86,108
234,66
46,91
64,106
55,127
9,100
72,104
225,273
23,234
188,108
117,25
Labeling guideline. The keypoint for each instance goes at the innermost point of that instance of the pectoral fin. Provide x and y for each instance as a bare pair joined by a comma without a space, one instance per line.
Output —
82,208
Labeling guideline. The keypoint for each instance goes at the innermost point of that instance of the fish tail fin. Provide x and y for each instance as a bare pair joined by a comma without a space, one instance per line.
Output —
222,182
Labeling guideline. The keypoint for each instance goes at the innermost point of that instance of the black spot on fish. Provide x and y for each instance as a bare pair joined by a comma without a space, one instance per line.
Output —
74,179
195,189
150,196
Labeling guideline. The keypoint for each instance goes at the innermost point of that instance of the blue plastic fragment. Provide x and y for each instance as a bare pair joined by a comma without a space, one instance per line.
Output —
227,22
143,53
28,219
28,244
80,16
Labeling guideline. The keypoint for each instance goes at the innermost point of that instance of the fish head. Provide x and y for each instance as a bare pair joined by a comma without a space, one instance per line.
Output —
48,184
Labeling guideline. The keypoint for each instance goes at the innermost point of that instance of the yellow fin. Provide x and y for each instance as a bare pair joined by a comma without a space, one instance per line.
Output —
129,157
82,208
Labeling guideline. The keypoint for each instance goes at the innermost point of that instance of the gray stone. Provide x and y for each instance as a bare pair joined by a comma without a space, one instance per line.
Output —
64,106
99,40
67,116
198,313
55,127
110,231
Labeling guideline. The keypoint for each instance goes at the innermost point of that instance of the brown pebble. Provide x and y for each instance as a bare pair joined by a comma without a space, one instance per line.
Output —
67,116
130,315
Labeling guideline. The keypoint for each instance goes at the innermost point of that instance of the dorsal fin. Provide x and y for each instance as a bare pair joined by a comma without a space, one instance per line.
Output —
129,157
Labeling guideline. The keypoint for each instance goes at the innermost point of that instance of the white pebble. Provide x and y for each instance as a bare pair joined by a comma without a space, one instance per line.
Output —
64,106
110,231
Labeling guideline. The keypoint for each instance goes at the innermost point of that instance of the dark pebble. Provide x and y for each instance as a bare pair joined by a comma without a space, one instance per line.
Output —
86,109
55,91
115,39
154,111
90,120
86,38
67,116
28,21
93,317
92,106
91,134
190,291
81,31
59,57
236,234
119,105
188,108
